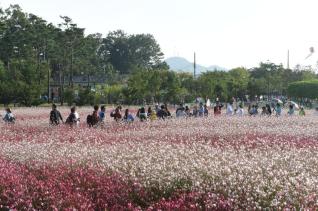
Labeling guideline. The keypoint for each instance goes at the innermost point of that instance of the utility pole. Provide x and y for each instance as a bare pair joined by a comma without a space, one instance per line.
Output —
194,66
288,59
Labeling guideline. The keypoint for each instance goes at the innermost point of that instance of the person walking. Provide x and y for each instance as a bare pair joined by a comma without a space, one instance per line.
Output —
229,109
102,114
278,109
217,109
55,116
195,111
77,116
291,110
141,114
167,110
117,114
187,111
71,119
201,110
240,110
205,111
162,113
128,117
180,112
93,119
269,110
9,117
302,111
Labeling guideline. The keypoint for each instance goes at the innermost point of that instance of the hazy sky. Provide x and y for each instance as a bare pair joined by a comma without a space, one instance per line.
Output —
228,33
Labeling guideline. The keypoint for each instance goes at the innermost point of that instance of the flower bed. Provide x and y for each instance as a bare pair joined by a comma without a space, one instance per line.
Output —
220,163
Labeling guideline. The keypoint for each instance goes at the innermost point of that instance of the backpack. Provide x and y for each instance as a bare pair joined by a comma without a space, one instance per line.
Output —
12,119
53,116
71,119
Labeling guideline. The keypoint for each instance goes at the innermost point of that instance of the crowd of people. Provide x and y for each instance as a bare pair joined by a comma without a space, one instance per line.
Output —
98,116
267,110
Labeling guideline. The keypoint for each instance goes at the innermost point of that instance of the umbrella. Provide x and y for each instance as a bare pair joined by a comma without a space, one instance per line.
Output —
294,104
278,101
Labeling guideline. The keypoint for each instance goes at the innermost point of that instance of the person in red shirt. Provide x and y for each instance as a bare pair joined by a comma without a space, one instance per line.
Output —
117,114
218,109
95,118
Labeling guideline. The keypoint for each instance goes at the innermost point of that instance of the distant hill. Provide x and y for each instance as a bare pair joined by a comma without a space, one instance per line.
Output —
183,65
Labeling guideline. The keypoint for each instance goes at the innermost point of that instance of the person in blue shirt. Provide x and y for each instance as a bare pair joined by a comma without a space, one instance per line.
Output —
201,110
278,109
101,114
128,117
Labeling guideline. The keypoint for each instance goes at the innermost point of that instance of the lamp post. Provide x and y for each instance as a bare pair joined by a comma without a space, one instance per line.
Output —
268,69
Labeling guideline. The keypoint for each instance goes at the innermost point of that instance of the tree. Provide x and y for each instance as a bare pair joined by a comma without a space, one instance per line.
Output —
128,52
115,50
304,89
145,52
214,85
190,86
239,78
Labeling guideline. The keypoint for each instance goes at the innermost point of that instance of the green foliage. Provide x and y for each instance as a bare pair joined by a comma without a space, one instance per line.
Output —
238,83
304,89
125,52
214,84
85,97
34,52
113,94
69,96
155,86
31,48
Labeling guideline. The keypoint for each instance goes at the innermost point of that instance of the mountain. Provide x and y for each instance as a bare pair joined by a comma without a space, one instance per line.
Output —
183,65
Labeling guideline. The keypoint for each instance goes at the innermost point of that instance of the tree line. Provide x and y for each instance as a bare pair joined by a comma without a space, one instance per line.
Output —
35,55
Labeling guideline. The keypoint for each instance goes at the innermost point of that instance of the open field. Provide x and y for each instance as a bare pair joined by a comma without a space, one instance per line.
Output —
220,163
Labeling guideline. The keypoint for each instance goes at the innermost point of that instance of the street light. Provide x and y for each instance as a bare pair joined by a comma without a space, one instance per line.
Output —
268,69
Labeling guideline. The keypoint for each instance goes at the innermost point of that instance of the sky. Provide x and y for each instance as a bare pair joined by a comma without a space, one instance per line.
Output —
228,33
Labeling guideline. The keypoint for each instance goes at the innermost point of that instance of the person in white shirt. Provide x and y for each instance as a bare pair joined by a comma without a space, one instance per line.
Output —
229,109
9,117
76,116
240,110
180,112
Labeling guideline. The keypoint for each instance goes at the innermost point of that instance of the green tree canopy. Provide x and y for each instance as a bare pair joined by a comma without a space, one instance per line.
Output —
304,89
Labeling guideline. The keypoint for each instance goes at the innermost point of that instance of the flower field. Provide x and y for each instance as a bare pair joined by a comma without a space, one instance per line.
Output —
214,163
